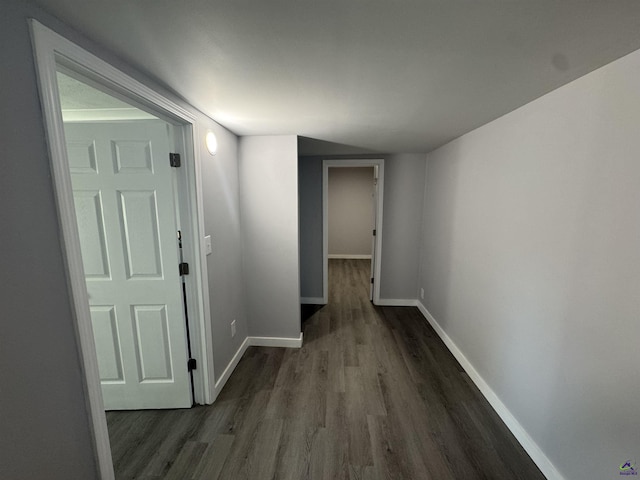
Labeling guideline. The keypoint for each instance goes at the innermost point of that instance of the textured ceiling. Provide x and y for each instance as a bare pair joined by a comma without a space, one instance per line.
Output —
75,95
392,76
81,102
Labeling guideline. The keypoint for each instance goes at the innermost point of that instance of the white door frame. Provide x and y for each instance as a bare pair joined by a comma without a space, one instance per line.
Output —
49,50
377,254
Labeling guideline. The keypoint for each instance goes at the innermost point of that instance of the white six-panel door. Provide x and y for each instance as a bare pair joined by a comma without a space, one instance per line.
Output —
125,206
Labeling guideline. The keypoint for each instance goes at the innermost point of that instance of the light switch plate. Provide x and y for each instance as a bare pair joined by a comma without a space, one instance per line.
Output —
207,244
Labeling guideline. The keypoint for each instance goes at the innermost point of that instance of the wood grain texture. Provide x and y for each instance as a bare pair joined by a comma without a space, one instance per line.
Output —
372,394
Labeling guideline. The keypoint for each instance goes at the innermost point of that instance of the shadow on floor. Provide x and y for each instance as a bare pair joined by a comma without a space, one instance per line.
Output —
307,311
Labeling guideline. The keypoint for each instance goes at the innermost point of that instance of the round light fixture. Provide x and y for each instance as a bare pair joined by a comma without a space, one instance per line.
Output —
212,143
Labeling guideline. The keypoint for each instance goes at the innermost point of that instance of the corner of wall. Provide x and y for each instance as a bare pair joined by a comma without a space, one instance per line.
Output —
423,235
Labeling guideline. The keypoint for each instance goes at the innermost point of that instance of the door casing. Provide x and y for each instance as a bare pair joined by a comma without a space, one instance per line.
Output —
50,50
377,250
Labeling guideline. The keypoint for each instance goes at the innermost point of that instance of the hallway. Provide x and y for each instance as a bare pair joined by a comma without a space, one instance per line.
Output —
372,394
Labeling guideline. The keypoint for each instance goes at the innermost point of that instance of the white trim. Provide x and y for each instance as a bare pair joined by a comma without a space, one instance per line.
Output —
46,70
222,381
397,302
276,342
326,164
531,447
49,49
198,280
325,233
104,114
312,301
348,256
253,342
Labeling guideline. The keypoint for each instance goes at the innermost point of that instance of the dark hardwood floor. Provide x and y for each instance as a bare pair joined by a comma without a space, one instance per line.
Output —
372,394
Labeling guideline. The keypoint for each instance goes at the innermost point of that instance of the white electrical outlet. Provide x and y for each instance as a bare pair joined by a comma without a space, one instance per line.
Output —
422,293
233,328
207,244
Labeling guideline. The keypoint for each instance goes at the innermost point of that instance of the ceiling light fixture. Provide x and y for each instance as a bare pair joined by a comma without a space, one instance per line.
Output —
212,143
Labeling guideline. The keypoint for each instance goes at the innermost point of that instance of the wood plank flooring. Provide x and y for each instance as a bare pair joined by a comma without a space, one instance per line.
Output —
372,394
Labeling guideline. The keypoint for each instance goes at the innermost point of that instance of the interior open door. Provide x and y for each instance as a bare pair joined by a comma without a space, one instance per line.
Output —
123,190
374,199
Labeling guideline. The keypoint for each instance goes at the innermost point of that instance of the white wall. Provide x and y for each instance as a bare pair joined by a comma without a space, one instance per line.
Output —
531,265
350,211
269,215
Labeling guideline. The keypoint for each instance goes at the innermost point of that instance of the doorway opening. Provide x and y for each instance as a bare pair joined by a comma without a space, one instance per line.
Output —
121,202
352,217
127,205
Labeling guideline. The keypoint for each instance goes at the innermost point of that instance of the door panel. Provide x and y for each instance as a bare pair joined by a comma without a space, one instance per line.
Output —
82,157
152,343
132,156
139,218
105,329
91,224
126,211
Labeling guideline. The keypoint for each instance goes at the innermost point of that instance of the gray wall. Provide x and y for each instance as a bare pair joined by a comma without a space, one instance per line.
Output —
220,184
402,225
310,218
269,216
531,264
350,210
44,429
402,212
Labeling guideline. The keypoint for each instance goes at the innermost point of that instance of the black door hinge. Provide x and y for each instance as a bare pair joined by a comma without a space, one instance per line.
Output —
372,281
192,364
374,232
174,159
183,268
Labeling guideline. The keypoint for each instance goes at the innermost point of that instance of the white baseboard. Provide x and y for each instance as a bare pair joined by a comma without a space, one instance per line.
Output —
397,302
312,301
230,368
276,342
253,342
349,255
535,452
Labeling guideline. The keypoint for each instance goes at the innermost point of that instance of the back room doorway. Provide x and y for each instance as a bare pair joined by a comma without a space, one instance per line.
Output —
352,222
